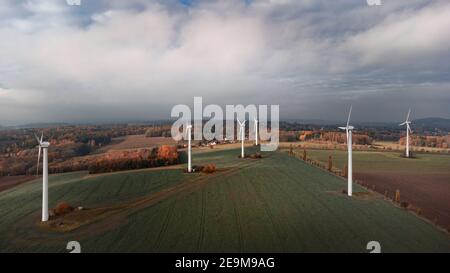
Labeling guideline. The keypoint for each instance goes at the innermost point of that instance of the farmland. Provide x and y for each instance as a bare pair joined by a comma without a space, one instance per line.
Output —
274,204
423,181
136,142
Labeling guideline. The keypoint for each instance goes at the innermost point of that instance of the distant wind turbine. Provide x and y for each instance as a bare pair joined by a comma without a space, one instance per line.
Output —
408,130
44,146
189,128
348,130
256,132
242,131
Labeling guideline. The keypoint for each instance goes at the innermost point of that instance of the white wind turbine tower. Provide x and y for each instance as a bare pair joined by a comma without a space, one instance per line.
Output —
348,130
408,130
44,146
189,128
242,130
256,132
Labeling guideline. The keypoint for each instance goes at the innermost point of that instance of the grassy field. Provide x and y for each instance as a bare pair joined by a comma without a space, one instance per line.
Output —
423,181
386,161
274,204
136,142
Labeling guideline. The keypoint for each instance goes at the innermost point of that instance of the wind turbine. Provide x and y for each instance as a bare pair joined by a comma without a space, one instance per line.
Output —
256,132
242,129
348,130
408,130
44,146
189,128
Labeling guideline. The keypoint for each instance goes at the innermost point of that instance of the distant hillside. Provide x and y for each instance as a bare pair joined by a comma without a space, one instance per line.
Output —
439,123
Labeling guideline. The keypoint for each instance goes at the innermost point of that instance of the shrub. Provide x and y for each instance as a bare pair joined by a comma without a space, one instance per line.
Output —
210,168
345,170
255,156
330,163
62,208
397,196
197,168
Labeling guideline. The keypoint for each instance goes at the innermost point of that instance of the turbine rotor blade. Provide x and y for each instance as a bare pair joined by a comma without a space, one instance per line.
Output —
407,116
42,136
37,139
39,157
349,114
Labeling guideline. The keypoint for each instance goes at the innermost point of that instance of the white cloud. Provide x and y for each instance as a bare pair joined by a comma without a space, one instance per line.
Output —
135,60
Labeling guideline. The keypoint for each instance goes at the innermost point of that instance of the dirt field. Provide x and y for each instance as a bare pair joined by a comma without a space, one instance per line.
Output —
429,192
137,141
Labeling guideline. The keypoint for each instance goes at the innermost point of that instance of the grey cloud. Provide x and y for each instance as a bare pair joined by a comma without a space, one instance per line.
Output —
124,60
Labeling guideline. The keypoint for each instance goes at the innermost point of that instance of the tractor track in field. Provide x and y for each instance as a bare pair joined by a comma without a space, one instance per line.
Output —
165,225
96,187
202,222
29,201
269,214
318,200
100,218
290,199
237,218
381,228
122,185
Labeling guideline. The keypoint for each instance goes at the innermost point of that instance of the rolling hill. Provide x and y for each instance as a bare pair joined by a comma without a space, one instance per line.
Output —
274,204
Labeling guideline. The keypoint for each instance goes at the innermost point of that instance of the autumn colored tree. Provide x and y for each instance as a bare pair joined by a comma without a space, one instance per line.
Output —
330,163
168,153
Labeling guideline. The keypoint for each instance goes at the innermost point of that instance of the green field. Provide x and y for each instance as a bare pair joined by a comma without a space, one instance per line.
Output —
275,204
385,161
424,181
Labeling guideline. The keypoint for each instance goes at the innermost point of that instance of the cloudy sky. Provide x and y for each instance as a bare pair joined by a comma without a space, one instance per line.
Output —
115,60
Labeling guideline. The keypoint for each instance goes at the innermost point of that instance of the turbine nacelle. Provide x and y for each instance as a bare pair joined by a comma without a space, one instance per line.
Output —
44,144
41,144
405,123
242,124
347,128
